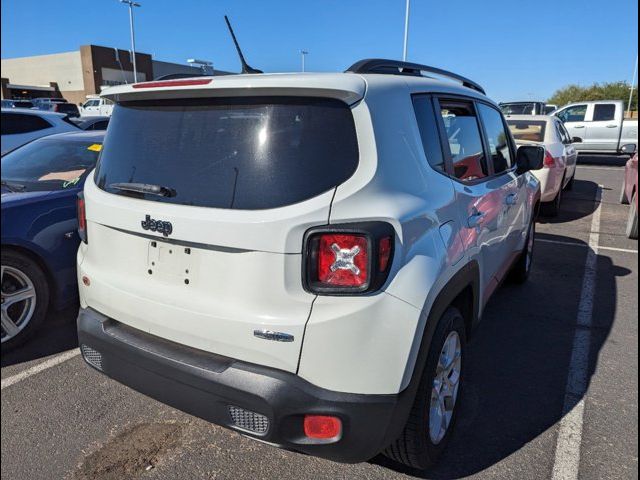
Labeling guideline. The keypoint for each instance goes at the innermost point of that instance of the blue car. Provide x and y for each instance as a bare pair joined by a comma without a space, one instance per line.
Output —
40,185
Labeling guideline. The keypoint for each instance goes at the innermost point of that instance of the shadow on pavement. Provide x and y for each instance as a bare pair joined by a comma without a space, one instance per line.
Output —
518,359
602,159
57,334
576,204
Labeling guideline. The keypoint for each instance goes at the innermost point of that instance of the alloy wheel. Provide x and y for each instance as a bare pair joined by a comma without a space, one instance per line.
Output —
18,301
444,391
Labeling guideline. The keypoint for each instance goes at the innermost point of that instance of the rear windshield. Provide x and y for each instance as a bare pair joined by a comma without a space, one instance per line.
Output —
518,108
66,108
50,163
532,131
238,153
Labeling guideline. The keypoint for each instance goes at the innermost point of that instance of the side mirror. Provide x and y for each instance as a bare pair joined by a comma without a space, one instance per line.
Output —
629,149
529,157
576,140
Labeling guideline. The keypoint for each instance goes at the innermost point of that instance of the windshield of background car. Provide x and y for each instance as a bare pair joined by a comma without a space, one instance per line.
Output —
50,163
518,108
532,131
236,153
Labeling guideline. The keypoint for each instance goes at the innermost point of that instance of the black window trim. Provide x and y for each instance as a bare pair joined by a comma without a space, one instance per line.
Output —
510,141
444,141
442,137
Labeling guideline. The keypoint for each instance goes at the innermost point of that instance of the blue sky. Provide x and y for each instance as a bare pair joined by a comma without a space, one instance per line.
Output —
516,49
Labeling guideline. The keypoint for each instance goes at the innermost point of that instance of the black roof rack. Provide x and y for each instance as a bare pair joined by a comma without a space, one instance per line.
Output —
396,67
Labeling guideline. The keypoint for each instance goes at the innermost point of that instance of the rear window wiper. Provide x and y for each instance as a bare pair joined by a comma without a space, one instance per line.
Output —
159,190
13,186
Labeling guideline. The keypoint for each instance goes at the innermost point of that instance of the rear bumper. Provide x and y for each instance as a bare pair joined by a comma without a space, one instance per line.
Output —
207,385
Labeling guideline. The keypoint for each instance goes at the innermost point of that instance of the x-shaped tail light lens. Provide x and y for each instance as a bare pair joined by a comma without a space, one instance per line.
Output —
343,260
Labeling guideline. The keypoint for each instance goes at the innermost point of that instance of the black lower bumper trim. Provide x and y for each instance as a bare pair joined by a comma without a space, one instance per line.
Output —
206,385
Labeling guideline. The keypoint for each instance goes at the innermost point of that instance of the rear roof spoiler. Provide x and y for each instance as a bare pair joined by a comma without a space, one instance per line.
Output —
396,67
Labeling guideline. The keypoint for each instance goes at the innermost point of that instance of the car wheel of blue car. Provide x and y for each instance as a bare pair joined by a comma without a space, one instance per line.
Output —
25,298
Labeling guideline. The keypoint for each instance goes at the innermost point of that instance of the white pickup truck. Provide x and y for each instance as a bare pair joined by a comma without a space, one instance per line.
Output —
601,126
96,107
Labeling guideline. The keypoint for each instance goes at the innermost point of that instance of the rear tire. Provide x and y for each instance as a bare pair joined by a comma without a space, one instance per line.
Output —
22,318
571,182
522,268
418,446
632,220
623,196
552,208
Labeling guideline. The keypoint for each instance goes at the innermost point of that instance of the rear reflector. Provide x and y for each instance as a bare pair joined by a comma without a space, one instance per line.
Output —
322,427
173,83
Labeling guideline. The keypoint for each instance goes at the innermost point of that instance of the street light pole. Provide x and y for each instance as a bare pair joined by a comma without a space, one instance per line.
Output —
132,4
406,32
633,83
303,53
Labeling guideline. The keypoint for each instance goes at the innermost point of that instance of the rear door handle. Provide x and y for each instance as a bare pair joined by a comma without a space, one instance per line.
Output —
512,199
475,220
612,126
578,126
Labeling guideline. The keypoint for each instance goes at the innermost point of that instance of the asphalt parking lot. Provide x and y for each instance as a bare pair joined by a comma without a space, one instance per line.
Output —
551,387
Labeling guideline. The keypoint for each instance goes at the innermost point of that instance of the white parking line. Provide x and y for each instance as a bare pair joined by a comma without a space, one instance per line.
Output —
41,367
567,457
584,245
586,167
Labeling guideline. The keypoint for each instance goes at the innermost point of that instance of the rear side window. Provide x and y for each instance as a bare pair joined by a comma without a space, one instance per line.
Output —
428,127
604,112
236,153
15,123
465,142
499,146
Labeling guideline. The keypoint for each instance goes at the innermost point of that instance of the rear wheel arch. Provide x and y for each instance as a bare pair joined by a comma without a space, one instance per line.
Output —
462,292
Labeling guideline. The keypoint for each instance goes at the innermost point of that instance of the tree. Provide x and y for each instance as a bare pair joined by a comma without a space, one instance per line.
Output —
597,91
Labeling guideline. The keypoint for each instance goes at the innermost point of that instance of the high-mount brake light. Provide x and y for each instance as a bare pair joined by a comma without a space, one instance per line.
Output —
173,83
347,259
82,218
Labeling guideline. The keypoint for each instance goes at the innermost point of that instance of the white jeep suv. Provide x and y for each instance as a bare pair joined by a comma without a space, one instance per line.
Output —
302,257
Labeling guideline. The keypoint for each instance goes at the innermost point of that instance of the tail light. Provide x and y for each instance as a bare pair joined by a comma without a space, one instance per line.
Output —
347,259
82,218
549,161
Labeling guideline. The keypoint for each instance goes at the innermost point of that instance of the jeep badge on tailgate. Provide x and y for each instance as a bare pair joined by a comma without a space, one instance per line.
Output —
157,226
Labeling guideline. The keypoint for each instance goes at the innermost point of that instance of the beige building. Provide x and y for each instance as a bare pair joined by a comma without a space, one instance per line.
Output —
75,75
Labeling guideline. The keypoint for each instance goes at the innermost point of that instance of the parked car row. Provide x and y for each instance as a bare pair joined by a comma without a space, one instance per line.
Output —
20,126
560,158
239,239
600,125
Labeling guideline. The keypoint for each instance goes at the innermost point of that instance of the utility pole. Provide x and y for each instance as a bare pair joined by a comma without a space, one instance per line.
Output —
132,4
406,32
633,83
303,53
